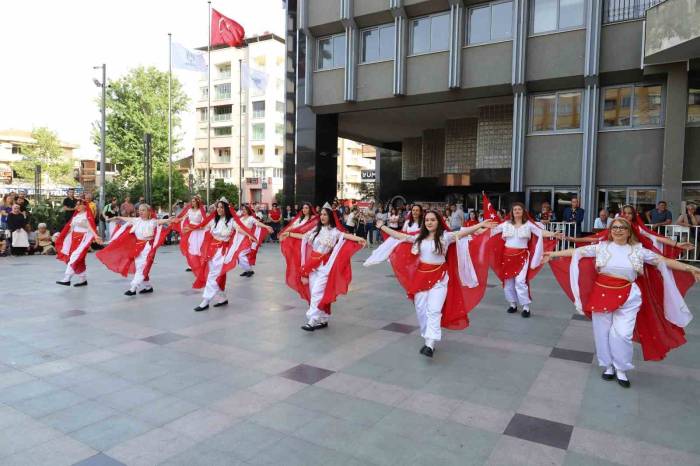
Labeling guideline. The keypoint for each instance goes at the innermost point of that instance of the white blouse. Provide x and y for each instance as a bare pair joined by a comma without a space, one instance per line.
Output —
194,216
623,261
79,223
249,222
325,241
410,228
428,253
299,222
222,230
143,229
517,237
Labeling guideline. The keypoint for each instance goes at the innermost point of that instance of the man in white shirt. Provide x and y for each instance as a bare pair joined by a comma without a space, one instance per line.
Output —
603,221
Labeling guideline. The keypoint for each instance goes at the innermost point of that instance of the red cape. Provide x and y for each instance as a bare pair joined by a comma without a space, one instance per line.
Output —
66,229
121,252
194,262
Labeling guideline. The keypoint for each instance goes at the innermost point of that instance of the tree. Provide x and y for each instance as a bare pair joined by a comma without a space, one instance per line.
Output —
221,189
48,153
366,190
159,188
138,104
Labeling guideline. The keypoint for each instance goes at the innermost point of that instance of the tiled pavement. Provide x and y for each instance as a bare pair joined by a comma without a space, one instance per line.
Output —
92,377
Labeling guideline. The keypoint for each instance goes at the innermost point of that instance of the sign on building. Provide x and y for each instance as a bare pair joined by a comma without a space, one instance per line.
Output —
367,175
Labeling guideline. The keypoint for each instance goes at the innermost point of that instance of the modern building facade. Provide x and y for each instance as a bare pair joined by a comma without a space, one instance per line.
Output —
356,169
540,100
247,118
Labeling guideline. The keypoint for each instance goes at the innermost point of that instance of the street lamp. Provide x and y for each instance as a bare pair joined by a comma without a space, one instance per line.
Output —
103,85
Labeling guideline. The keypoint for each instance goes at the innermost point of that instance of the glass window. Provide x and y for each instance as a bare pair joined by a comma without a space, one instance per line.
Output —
420,35
331,52
370,45
693,105
440,32
259,109
258,131
222,91
339,51
222,131
553,15
569,110
570,13
377,43
479,21
386,42
543,111
633,106
544,15
501,21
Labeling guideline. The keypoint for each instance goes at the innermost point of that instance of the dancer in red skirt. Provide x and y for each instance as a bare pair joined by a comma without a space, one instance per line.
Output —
323,270
224,239
612,282
248,257
303,217
436,268
517,257
74,242
133,247
191,240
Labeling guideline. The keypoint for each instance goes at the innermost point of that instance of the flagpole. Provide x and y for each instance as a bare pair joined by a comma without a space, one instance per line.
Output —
170,123
240,130
209,110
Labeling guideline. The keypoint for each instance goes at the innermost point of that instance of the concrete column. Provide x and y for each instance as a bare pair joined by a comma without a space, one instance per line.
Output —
456,42
520,22
400,46
676,109
352,43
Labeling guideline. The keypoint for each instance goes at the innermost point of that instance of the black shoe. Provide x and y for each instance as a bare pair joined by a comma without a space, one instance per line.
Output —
308,327
244,274
525,313
146,290
63,283
188,269
422,350
605,376
320,325
512,310
200,308
624,383
222,303
81,284
427,351
129,293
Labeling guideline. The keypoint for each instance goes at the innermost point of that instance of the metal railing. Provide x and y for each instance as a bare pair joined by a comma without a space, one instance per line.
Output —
682,234
569,230
624,10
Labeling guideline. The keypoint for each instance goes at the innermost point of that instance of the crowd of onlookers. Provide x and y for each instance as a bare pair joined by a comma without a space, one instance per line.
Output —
19,235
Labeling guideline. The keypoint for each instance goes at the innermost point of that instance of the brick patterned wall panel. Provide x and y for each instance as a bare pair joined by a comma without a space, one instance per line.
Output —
494,137
433,162
460,145
411,158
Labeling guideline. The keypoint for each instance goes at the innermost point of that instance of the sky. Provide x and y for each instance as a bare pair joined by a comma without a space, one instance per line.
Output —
48,49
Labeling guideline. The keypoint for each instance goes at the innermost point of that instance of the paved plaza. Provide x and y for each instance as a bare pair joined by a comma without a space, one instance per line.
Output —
92,377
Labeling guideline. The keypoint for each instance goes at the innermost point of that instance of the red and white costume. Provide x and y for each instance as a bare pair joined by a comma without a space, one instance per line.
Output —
324,260
249,256
191,241
517,258
292,250
222,245
617,285
132,250
444,287
410,228
73,244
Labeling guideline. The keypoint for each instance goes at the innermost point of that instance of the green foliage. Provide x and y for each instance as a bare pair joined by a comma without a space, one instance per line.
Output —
45,212
138,104
159,188
279,198
366,190
48,153
221,189
114,189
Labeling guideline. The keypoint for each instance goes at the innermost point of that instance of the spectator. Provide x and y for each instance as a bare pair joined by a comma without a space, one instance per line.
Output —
44,240
659,216
350,222
89,202
5,210
31,236
275,215
384,217
603,221
394,219
360,228
15,223
690,218
69,205
295,210
471,219
546,215
288,215
23,202
111,210
142,200
127,208
369,216
457,217
574,214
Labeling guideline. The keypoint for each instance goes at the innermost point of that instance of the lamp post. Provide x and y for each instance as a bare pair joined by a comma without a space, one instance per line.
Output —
103,85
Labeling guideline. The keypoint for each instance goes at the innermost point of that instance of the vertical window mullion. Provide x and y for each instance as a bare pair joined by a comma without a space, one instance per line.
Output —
430,34
632,104
490,22
558,10
556,110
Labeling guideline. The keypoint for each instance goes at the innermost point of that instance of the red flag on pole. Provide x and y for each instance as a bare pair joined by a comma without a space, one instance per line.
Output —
225,30
489,212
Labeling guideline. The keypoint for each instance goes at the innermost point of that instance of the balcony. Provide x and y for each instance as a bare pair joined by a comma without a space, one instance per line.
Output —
672,32
222,117
222,96
615,11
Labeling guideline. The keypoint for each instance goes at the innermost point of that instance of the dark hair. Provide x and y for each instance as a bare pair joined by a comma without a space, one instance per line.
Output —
311,209
438,232
319,225
422,215
227,212
526,217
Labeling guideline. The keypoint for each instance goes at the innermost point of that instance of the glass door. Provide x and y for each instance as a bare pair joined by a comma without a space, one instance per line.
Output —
536,197
611,199
643,199
562,200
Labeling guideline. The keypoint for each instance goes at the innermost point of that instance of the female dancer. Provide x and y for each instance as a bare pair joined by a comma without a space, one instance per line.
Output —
624,299
425,273
225,239
133,246
324,268
191,240
260,230
414,222
517,258
73,243
302,217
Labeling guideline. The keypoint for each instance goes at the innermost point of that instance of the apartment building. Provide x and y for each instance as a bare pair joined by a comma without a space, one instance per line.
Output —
247,118
356,166
536,100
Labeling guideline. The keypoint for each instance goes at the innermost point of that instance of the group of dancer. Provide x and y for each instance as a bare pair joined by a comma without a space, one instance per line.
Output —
626,278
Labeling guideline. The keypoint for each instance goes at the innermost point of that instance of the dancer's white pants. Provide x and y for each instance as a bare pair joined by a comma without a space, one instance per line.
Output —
429,309
243,261
69,273
211,289
613,331
516,289
139,281
317,286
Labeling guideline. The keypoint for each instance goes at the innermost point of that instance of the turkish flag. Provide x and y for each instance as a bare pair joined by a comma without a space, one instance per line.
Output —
225,30
489,212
